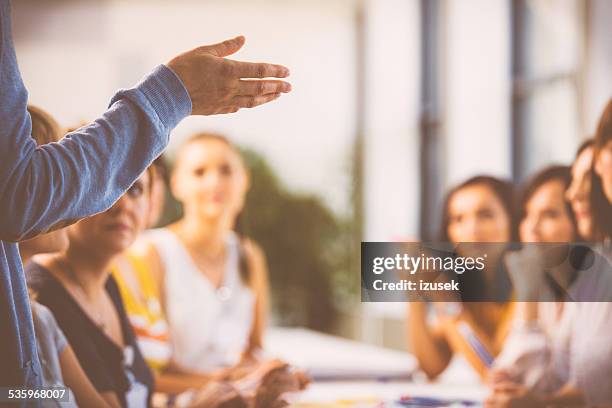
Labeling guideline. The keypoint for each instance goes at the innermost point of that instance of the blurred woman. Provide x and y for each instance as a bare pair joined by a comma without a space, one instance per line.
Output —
45,129
141,295
479,211
141,288
541,330
587,358
544,213
591,356
77,286
60,367
203,259
601,197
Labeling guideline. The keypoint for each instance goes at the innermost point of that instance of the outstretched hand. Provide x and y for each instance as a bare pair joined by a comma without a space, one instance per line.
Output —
218,85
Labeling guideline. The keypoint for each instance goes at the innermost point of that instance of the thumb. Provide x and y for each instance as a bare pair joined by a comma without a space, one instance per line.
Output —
225,48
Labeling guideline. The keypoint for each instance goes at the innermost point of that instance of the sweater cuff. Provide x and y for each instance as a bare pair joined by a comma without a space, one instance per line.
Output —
167,95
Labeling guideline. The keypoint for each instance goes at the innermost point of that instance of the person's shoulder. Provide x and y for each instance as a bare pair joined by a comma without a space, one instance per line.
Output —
252,250
157,234
42,313
147,243
256,261
38,277
146,252
44,317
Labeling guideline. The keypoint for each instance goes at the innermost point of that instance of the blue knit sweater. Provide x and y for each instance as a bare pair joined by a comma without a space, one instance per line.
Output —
48,186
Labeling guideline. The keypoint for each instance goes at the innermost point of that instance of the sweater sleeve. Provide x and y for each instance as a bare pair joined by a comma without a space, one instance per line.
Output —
43,187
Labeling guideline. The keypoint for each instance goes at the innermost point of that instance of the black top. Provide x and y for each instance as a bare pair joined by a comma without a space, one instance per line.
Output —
101,358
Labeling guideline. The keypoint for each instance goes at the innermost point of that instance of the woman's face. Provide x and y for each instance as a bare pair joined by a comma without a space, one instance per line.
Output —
546,215
603,168
210,180
116,229
476,214
579,191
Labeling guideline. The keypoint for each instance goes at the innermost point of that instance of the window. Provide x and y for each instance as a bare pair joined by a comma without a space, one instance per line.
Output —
548,47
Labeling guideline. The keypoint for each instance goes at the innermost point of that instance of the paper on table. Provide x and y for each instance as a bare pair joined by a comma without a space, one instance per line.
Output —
326,357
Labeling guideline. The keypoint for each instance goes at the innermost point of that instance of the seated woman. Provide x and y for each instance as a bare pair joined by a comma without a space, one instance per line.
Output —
77,287
542,329
478,211
587,357
60,367
141,293
202,258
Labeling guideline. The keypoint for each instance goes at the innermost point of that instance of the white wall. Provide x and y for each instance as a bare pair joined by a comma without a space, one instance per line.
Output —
392,179
391,185
74,55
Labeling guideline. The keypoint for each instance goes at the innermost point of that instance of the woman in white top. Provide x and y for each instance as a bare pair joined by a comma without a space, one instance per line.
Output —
214,284
588,354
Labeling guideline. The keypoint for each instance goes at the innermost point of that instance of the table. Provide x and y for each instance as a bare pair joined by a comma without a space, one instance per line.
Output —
326,356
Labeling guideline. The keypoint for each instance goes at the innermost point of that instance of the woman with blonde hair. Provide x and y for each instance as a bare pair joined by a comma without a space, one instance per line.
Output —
213,281
196,292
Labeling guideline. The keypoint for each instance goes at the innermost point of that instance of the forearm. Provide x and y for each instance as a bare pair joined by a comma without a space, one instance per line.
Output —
568,396
430,349
175,383
89,169
76,379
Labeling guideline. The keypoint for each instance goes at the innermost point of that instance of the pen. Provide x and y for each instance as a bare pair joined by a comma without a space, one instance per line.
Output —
407,401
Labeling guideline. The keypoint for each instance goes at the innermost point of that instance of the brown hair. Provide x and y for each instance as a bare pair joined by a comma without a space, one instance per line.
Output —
205,137
243,262
560,173
503,190
600,204
45,128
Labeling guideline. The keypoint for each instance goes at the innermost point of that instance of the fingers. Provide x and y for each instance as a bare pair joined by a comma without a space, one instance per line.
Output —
225,48
253,101
265,87
507,387
498,376
303,379
257,70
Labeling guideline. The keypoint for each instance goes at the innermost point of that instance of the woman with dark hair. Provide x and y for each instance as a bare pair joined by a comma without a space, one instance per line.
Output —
478,215
543,212
60,366
484,186
75,285
79,289
587,357
541,330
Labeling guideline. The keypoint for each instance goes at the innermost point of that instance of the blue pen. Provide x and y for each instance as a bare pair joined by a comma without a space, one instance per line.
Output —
473,340
421,402
431,402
